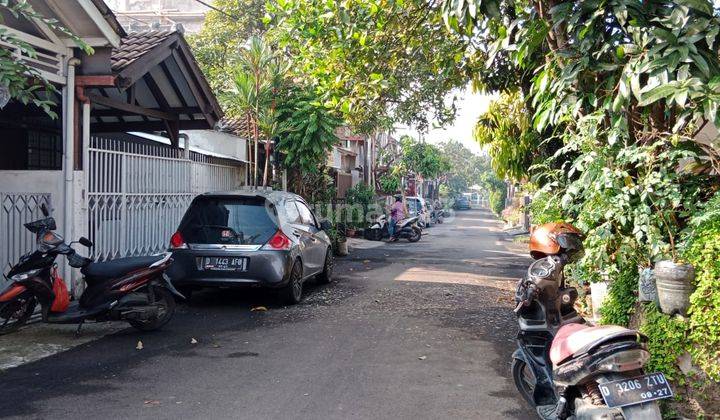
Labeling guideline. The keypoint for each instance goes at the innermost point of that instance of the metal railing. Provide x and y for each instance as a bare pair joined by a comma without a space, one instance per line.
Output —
137,194
15,210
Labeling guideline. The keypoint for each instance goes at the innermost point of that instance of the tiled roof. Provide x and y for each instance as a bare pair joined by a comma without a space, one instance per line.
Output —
135,45
241,127
345,133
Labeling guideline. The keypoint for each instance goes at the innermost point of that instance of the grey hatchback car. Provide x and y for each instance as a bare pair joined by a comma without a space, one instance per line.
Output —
250,238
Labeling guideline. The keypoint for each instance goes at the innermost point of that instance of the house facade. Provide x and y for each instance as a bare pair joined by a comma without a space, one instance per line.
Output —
123,191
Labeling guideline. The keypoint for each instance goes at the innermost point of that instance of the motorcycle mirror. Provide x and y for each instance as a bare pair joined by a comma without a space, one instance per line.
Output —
44,210
85,242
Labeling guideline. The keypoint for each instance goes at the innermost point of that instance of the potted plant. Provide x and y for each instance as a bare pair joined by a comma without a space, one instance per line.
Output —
674,278
339,241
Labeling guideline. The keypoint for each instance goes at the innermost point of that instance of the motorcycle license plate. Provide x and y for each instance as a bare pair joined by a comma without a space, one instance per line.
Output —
225,263
635,390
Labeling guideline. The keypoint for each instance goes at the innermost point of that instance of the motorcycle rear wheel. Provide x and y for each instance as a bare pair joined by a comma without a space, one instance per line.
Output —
16,312
166,308
415,236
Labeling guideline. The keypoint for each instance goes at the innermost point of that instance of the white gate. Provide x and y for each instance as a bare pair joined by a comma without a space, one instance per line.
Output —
138,193
15,240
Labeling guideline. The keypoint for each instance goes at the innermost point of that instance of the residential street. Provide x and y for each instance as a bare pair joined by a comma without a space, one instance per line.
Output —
410,331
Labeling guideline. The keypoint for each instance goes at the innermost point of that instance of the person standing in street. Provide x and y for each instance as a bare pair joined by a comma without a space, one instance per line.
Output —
397,213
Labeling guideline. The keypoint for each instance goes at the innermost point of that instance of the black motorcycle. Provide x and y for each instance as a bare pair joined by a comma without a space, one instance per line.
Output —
567,369
135,289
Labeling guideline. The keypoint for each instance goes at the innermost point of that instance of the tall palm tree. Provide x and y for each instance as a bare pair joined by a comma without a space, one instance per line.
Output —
257,76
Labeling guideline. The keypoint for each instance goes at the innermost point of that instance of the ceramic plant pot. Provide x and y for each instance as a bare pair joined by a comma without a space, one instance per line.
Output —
341,248
674,286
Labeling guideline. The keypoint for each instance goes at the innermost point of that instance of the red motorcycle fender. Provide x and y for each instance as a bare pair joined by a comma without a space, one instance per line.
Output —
11,292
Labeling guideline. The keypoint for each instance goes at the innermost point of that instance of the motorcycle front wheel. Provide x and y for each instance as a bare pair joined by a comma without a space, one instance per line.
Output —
16,312
165,302
524,380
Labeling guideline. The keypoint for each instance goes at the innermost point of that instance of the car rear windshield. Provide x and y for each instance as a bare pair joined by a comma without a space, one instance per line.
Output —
413,205
228,220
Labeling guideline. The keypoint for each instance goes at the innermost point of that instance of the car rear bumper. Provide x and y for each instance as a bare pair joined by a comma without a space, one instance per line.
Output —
264,268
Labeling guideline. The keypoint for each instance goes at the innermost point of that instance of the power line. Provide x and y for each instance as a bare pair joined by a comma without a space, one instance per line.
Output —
217,9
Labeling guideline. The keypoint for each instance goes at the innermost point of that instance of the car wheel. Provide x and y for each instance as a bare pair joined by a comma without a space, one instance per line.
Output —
292,293
326,276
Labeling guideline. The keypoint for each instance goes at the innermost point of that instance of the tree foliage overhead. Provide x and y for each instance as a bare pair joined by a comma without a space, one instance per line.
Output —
377,61
307,130
506,131
24,82
218,43
651,67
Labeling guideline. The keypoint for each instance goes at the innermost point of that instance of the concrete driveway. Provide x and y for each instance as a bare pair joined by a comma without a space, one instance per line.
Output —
406,331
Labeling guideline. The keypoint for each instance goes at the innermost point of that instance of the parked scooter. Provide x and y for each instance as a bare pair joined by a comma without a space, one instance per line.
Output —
135,290
404,229
565,368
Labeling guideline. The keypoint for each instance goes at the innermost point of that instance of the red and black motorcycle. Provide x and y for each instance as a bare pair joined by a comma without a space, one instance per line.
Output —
134,289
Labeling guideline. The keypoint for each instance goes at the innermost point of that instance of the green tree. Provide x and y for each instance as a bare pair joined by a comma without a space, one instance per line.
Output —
422,158
506,132
258,75
22,81
306,131
466,168
218,44
377,61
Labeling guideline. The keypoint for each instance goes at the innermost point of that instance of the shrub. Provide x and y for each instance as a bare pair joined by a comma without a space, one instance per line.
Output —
667,340
497,200
358,199
703,251
545,208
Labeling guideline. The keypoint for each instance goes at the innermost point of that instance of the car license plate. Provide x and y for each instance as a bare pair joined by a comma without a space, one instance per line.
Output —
225,263
635,390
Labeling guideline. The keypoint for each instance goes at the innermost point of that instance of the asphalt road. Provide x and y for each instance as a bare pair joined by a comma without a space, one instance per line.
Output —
405,331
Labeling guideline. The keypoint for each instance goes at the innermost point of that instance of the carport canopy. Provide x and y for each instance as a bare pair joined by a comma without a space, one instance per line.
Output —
155,85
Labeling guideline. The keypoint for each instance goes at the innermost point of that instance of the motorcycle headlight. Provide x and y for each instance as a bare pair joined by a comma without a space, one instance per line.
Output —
48,241
624,361
26,275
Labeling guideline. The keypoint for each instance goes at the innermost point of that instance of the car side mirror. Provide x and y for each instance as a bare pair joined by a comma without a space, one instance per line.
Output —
85,242
325,225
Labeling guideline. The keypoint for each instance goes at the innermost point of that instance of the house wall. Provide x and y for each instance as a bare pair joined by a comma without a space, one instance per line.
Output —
334,158
21,193
218,142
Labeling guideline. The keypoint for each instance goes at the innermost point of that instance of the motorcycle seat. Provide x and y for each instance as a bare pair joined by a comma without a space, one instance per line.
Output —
119,267
573,340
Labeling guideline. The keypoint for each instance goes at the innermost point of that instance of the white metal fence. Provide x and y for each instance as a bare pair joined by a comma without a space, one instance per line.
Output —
15,210
137,193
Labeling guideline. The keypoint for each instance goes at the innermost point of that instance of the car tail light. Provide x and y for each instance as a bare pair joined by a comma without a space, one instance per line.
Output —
278,242
177,241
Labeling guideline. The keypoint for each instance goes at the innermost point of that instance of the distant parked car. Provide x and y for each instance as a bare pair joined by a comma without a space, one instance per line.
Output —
250,238
461,203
